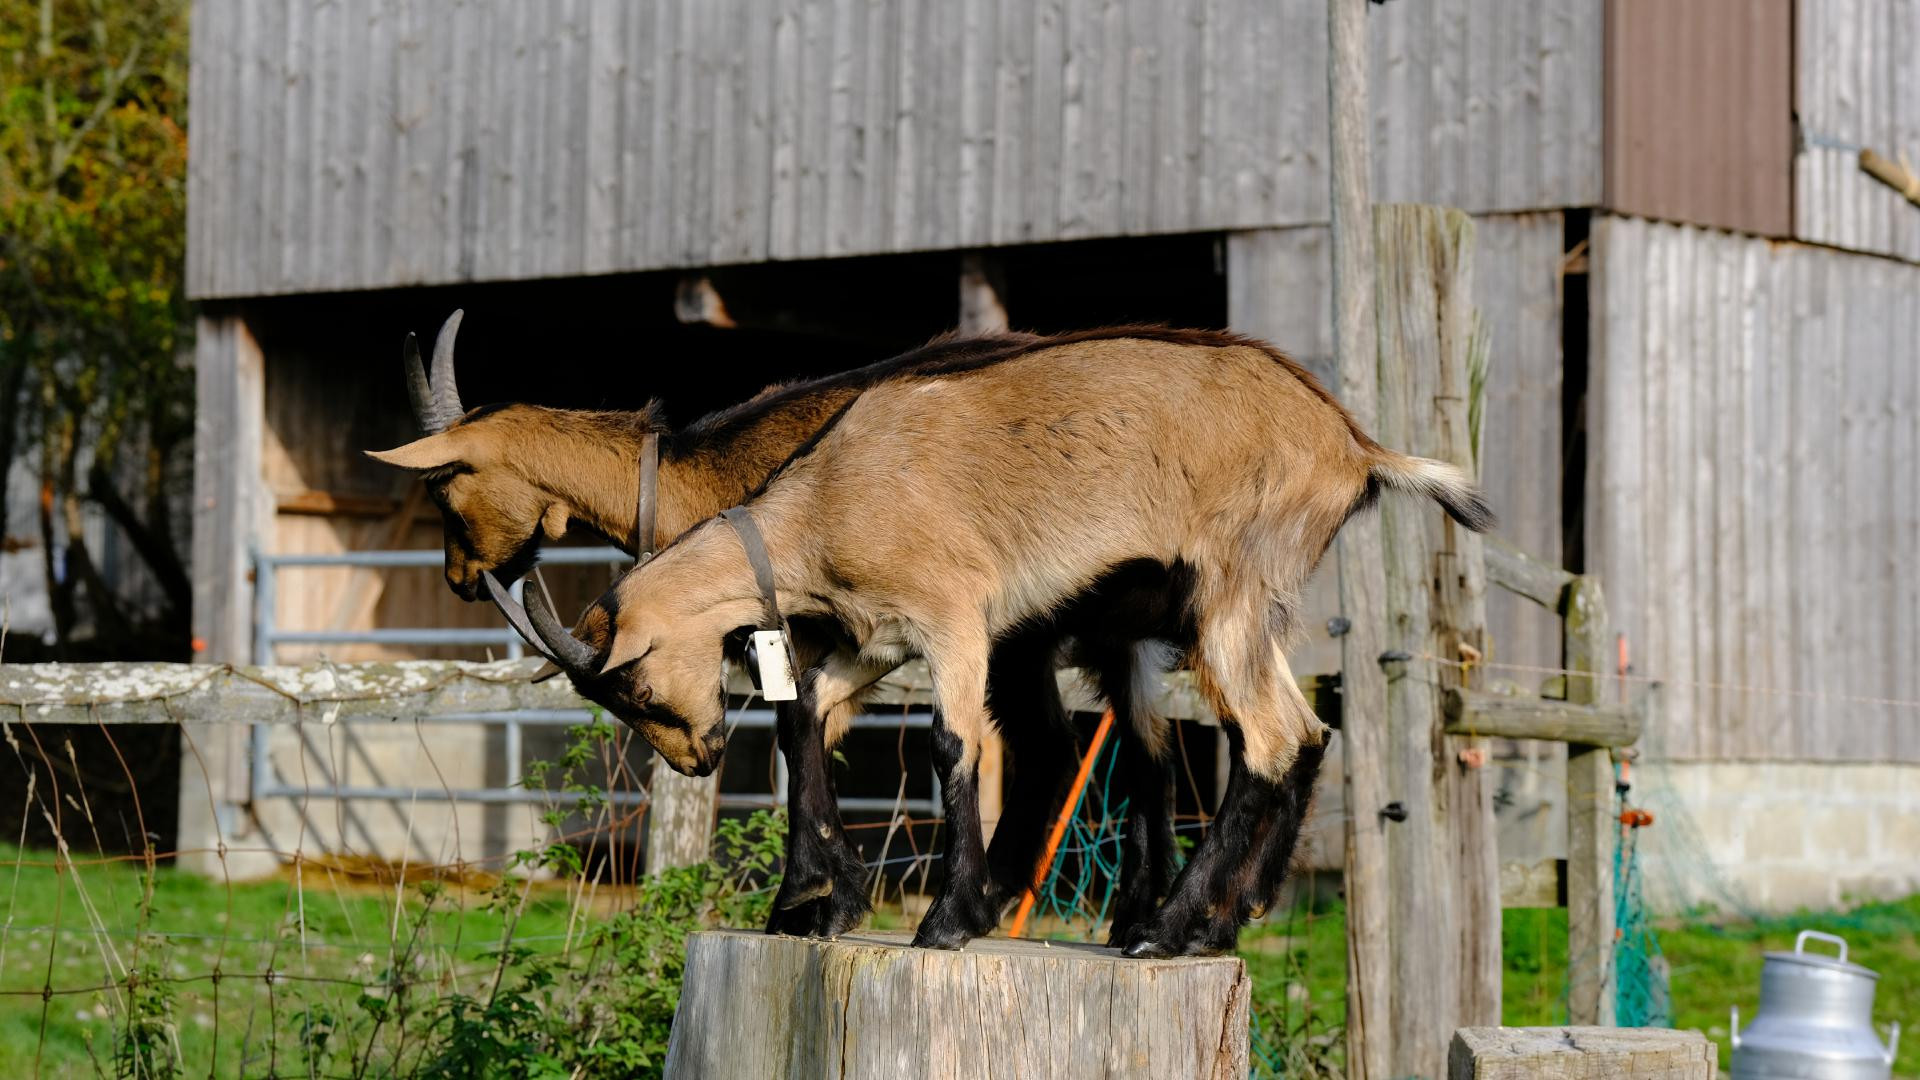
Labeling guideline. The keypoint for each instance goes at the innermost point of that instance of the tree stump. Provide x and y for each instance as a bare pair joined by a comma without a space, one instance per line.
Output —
867,1006
1580,1053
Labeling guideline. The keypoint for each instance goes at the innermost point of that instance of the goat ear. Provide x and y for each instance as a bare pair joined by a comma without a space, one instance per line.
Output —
431,452
626,648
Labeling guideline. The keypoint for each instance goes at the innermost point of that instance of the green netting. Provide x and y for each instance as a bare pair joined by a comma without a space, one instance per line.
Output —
1641,994
1085,871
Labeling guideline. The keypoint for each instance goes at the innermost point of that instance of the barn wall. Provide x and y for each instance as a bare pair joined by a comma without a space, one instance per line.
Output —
356,144
1751,502
1858,86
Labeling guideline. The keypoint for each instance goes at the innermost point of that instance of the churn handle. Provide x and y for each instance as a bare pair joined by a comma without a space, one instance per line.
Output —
1734,1037
1893,1042
1800,943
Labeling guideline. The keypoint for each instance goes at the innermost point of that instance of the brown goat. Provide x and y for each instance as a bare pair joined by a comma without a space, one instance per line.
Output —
938,514
508,478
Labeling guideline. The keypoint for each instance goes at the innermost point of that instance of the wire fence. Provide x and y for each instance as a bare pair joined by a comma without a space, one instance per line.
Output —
527,935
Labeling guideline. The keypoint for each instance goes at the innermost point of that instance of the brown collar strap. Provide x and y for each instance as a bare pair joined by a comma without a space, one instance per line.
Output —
756,548
647,509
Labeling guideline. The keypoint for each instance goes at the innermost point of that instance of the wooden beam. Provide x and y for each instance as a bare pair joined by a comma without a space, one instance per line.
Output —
1473,712
161,693
1361,556
868,1007
1591,828
1523,575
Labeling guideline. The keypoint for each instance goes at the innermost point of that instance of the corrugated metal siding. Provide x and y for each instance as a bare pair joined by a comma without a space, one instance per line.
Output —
1279,288
1752,502
364,144
1699,112
1858,85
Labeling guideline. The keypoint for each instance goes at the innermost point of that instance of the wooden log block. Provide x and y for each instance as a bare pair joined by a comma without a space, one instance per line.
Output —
869,1006
1472,712
1580,1053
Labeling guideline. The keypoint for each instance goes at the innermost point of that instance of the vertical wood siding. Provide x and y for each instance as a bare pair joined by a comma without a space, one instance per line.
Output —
1751,502
374,143
1858,86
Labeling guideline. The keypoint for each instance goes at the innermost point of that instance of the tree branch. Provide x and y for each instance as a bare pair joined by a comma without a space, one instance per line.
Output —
154,549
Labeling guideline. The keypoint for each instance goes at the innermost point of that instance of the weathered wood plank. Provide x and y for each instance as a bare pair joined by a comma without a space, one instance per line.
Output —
361,146
1474,712
1362,557
157,693
1580,1053
867,1005
1523,575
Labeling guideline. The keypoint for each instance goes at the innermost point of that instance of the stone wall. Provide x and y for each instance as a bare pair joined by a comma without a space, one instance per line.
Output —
1777,836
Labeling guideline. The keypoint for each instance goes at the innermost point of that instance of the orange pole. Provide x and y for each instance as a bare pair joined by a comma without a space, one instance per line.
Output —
1060,825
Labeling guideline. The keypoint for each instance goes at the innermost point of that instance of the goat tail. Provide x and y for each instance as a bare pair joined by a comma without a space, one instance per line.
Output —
1444,483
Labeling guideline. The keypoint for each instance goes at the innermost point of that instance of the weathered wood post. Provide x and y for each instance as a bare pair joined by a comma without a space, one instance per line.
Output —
1591,829
1445,909
233,511
1361,560
868,1006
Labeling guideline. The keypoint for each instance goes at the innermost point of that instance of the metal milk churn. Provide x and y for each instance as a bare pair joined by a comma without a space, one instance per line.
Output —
1815,1020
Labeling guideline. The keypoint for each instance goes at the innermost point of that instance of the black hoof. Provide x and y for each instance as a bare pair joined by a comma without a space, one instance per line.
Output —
952,922
1147,949
795,894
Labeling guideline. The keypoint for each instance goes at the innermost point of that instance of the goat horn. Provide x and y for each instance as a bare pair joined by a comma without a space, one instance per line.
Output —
446,409
576,656
516,615
418,391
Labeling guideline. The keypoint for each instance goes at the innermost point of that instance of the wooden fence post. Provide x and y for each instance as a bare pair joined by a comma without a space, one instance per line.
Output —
1361,560
1590,826
679,817
1443,865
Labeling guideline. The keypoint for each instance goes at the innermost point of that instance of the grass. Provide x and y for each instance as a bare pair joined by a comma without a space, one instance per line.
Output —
339,929
334,929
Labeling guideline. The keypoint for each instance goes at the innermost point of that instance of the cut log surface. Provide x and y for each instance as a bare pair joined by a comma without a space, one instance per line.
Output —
1580,1053
869,1006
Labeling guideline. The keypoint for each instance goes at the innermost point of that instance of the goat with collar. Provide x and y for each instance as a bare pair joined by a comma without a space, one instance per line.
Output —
937,515
509,478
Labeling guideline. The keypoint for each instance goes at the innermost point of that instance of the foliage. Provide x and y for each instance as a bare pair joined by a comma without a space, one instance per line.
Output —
93,166
543,972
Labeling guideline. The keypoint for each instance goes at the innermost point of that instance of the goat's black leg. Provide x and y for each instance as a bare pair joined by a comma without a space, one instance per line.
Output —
823,891
1025,698
1237,871
961,911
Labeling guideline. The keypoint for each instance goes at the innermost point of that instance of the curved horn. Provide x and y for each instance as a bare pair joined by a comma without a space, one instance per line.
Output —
515,614
576,656
418,391
445,409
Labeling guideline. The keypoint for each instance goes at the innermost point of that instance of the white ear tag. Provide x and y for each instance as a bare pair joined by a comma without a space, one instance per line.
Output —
776,675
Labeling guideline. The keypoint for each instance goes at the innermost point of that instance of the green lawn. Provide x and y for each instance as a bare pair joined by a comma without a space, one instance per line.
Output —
243,932
1296,960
